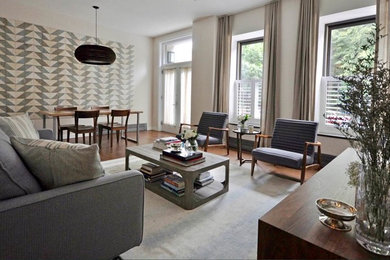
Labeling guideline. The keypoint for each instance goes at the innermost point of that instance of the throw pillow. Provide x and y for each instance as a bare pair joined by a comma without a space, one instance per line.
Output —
56,163
20,125
15,179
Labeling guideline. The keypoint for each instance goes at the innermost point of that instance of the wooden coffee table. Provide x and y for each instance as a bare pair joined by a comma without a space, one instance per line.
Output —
192,198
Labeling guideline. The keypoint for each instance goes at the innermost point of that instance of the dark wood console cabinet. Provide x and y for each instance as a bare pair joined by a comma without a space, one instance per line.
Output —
292,229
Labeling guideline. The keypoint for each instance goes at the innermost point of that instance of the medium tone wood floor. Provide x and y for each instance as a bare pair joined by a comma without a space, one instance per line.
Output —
146,137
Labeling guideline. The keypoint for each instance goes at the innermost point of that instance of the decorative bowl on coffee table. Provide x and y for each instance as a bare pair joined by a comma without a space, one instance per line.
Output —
335,213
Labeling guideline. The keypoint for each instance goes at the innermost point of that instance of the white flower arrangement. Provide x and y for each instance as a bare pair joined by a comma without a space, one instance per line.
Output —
243,118
190,134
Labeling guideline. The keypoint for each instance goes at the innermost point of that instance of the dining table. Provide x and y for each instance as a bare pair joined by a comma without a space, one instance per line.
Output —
54,114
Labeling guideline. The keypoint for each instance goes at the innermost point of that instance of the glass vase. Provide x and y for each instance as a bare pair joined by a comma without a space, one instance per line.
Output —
191,146
372,230
242,127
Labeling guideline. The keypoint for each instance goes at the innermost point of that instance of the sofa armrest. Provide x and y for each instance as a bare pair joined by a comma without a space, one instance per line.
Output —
96,219
46,134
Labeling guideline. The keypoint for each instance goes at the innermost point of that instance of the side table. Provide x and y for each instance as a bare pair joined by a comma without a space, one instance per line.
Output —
239,134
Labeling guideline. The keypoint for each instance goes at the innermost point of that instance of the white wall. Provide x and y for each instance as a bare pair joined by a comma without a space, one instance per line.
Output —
248,21
204,36
143,46
336,6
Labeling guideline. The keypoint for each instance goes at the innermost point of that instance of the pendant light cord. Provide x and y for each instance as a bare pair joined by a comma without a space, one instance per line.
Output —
96,8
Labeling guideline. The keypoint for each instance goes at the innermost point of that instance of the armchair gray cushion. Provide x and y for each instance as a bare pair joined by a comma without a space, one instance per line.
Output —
213,119
291,135
15,178
97,219
288,143
280,157
201,139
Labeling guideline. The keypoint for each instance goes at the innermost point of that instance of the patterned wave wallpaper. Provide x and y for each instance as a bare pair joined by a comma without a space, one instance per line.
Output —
38,71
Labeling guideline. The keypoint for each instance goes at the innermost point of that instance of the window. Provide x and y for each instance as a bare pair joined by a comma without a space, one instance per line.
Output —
176,74
343,42
177,51
248,83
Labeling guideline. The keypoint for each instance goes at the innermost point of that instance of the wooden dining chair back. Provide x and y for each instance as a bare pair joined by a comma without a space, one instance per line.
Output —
108,116
102,108
84,129
113,126
61,128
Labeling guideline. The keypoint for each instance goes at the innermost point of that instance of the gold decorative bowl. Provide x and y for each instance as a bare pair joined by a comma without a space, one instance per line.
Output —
334,213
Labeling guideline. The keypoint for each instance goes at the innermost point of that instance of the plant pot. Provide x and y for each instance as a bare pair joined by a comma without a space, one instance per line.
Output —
372,230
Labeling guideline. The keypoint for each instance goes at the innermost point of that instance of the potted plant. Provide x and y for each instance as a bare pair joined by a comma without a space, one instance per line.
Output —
190,136
242,120
366,102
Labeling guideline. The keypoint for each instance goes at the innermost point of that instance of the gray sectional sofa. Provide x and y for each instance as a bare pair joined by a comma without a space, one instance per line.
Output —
96,219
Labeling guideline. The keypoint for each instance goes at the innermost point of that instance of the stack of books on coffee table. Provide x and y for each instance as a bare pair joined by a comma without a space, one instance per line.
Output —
174,183
165,142
204,179
153,172
182,157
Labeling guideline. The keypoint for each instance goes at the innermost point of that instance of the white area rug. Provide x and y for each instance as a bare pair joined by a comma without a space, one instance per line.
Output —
224,228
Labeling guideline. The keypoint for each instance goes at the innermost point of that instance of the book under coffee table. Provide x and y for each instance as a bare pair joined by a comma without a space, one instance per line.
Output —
192,197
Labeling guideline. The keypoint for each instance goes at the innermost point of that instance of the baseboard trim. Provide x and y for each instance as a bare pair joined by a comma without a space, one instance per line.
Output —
133,127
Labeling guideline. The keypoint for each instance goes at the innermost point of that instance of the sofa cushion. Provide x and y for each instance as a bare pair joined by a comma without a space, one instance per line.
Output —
56,164
15,179
280,157
20,125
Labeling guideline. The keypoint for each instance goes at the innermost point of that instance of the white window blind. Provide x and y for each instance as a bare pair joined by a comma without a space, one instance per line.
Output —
331,113
248,98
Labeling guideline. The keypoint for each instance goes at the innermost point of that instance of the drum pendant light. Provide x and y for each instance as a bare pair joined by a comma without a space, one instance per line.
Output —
95,54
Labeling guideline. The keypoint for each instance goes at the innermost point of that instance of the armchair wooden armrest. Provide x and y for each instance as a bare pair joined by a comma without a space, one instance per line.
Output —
307,144
313,144
181,125
219,129
318,144
258,138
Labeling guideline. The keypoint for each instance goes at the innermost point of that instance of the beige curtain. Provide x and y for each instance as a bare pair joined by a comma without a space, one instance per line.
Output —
222,64
306,61
383,21
185,93
271,65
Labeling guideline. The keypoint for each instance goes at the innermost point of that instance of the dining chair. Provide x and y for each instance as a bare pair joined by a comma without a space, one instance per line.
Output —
61,128
84,129
211,129
113,126
108,116
292,145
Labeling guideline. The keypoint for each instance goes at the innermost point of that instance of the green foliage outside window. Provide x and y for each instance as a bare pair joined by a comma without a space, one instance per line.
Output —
252,61
346,48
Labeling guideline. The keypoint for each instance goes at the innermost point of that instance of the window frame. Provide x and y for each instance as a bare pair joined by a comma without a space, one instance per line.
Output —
325,20
164,52
338,25
240,44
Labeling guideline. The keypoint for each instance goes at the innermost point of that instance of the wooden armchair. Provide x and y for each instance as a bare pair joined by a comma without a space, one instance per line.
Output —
292,145
211,128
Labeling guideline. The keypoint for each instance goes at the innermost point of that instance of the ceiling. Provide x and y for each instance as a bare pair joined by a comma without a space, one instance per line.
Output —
145,17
